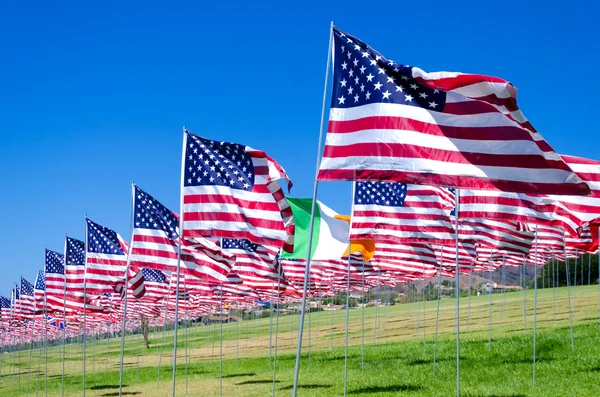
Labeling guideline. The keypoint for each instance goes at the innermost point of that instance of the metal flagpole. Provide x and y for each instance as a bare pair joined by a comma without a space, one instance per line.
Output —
37,377
568,291
312,218
362,365
137,361
490,293
347,316
107,347
457,282
502,291
376,310
271,324
535,265
84,305
30,355
46,344
221,348
180,242
523,269
599,281
469,301
423,299
437,313
125,288
575,284
332,311
163,333
555,284
589,277
276,329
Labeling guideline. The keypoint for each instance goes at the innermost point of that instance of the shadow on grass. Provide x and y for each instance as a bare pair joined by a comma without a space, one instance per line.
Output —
105,387
125,393
256,382
498,395
239,375
430,361
290,387
384,389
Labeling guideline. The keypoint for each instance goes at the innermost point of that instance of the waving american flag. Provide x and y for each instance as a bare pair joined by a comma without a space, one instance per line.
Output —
232,191
395,122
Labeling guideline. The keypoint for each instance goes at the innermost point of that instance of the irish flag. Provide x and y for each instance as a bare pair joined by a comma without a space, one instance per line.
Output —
330,234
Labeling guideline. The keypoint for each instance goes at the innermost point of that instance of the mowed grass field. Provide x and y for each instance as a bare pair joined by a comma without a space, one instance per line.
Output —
398,350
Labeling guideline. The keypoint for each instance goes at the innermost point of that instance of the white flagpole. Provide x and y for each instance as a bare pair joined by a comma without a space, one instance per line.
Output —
535,303
220,346
64,333
276,328
347,316
362,366
125,288
568,291
457,279
491,293
437,313
469,302
84,302
312,218
180,238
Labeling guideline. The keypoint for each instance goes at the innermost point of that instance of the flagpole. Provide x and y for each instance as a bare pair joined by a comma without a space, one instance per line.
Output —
125,288
437,313
457,281
312,218
362,366
535,304
469,303
64,316
347,316
491,293
181,212
568,291
276,328
84,304
220,346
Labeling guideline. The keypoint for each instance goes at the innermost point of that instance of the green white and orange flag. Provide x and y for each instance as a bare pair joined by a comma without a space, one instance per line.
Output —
330,233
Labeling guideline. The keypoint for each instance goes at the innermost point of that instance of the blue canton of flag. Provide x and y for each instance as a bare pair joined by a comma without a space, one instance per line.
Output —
26,287
4,303
40,281
155,276
54,262
364,76
75,252
102,240
242,244
213,163
381,193
151,214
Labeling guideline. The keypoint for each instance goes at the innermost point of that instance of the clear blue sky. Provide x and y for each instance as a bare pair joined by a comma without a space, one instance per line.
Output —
94,95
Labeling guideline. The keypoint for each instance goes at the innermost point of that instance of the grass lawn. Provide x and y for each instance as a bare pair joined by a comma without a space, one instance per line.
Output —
398,354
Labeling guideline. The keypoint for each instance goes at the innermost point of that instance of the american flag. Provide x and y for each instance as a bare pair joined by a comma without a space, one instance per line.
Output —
55,281
405,259
233,191
39,293
74,266
136,286
156,239
106,259
255,264
157,285
519,207
398,123
388,211
5,311
501,236
586,208
15,302
26,299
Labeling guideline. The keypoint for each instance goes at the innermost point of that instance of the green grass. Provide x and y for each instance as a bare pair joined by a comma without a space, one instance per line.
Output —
400,363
